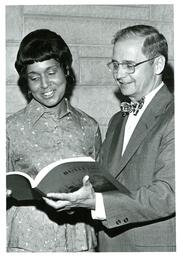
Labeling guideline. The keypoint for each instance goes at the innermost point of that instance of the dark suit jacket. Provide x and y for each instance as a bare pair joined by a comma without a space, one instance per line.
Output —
144,221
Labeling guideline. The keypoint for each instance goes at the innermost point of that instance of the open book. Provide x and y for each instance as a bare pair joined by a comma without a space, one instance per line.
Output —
61,176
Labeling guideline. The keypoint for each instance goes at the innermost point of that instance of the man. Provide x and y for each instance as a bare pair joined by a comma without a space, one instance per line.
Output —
138,151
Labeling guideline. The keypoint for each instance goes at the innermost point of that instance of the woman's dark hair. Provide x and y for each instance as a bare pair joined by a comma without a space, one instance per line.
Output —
41,45
155,43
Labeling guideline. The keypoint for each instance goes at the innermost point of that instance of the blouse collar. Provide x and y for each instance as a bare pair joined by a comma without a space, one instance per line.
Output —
36,110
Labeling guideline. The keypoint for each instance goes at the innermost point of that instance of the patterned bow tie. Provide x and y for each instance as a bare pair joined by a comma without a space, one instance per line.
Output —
128,108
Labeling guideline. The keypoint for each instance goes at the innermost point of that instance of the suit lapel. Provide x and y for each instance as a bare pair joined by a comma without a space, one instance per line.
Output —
147,121
117,142
140,132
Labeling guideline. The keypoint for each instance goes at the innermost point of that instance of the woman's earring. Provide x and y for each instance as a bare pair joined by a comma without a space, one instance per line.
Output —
67,72
69,76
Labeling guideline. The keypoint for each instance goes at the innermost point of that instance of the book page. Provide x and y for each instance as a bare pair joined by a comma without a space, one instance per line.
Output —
49,167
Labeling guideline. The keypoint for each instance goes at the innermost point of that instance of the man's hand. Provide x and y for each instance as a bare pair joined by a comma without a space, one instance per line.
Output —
84,197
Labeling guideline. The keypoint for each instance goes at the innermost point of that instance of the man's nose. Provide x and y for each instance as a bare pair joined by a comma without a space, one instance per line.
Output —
121,72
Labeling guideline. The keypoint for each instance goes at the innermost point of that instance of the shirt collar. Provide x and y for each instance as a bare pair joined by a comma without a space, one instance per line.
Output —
147,100
151,94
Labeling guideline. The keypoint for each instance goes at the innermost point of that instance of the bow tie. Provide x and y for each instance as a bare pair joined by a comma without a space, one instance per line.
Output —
128,108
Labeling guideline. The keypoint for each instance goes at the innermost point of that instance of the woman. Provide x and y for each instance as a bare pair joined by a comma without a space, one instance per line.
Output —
46,130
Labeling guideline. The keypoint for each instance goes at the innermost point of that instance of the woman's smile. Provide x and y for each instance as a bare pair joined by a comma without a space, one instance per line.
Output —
48,94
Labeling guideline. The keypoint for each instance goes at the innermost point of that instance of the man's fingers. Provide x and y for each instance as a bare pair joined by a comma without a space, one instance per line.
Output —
57,204
59,196
86,181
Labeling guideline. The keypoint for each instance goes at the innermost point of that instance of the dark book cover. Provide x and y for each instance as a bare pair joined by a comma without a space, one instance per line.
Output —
62,177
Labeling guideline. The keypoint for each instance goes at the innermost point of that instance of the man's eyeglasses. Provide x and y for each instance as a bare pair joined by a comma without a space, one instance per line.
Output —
127,66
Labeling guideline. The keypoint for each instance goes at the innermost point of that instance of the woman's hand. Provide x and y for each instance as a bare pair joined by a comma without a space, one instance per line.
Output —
84,197
8,193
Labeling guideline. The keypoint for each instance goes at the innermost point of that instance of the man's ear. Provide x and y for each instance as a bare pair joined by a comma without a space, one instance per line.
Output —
159,64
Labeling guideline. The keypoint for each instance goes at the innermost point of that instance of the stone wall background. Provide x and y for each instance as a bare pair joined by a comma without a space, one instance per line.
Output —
88,30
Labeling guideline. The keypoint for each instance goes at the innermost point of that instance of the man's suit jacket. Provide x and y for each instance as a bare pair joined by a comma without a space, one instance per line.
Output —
144,221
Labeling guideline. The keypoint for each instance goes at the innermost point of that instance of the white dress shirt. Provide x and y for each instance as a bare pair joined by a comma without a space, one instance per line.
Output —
99,212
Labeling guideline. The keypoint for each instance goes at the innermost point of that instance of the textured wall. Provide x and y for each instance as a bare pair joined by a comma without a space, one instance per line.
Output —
88,30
